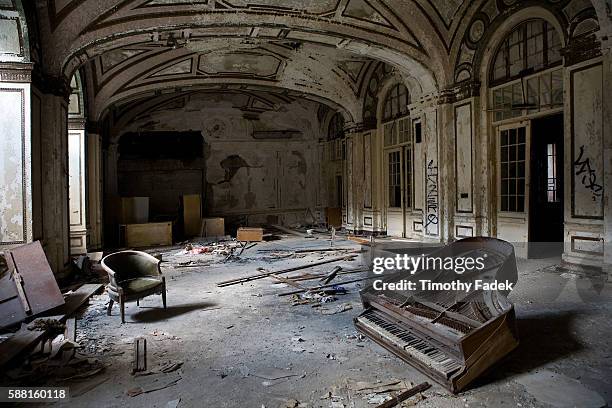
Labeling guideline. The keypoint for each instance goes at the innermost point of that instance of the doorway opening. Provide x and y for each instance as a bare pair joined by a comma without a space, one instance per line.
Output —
546,212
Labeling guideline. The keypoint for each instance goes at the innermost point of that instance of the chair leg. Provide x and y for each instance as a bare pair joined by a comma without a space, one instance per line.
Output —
122,301
110,307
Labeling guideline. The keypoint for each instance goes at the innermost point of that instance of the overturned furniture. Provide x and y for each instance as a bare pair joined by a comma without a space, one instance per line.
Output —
451,336
132,276
27,285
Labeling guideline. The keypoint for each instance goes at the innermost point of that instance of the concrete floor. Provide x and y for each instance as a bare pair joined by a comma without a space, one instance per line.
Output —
230,339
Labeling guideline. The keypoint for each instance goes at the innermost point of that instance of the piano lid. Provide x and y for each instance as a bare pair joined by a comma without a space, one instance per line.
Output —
458,311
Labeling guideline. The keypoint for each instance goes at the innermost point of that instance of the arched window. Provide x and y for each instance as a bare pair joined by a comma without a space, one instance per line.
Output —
336,127
396,102
532,46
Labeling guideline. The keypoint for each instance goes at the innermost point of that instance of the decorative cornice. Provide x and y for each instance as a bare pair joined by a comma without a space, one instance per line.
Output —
16,72
47,84
77,123
581,49
459,92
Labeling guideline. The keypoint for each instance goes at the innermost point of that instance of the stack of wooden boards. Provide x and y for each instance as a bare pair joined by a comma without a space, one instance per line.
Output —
28,292
135,230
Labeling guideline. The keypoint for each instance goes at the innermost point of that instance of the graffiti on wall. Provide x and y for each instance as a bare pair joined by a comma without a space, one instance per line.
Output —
432,199
588,175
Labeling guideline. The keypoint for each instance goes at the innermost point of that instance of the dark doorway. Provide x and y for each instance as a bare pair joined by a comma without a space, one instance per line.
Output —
546,189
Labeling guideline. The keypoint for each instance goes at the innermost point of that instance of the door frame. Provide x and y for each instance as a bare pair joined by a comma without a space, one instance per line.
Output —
505,220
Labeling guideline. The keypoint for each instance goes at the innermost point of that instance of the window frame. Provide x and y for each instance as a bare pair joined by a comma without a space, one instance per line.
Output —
393,100
504,46
526,176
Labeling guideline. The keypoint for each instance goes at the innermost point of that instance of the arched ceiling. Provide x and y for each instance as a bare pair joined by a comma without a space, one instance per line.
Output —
252,101
318,72
321,49
318,47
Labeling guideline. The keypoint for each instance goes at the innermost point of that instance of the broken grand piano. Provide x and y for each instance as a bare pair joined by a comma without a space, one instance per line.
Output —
451,336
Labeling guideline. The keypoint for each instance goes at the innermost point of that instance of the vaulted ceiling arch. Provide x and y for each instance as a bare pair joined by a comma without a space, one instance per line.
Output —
256,100
399,35
317,72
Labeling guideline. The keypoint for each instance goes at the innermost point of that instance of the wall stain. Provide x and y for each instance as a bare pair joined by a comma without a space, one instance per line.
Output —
231,164
301,165
249,197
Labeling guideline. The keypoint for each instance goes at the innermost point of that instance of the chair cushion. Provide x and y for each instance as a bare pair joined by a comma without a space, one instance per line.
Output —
138,285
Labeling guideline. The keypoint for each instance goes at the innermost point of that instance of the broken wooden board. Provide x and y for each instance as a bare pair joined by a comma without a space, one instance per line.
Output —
289,231
212,227
140,355
297,268
25,340
22,341
147,235
192,214
29,286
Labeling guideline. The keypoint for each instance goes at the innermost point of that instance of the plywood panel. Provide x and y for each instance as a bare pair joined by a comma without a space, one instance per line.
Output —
213,227
134,210
192,214
151,234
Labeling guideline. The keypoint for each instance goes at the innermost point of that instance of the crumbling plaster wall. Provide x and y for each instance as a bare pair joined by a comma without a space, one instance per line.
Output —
247,179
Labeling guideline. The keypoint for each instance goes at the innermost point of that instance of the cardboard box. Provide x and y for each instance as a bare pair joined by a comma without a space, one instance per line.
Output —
192,214
150,234
134,210
213,227
247,234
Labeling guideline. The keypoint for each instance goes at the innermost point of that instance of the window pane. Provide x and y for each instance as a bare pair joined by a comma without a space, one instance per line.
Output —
499,70
512,164
545,90
515,52
554,46
557,88
535,45
533,96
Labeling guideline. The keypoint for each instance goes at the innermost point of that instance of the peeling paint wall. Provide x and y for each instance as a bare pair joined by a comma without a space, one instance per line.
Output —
269,177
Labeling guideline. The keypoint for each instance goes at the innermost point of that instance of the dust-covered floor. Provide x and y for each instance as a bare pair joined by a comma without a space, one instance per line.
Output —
244,346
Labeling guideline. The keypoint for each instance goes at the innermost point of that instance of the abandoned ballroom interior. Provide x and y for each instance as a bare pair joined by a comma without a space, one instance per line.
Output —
425,121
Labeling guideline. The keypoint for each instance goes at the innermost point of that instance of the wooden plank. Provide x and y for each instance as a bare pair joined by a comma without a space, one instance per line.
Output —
22,341
134,210
25,340
150,234
297,268
306,250
404,396
32,280
289,231
295,292
305,277
140,355
192,214
333,217
71,329
213,227
289,282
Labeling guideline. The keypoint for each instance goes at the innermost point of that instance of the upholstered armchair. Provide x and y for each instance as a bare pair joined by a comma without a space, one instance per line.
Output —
132,275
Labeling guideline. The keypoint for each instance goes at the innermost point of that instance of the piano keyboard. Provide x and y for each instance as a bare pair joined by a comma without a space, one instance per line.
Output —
413,346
